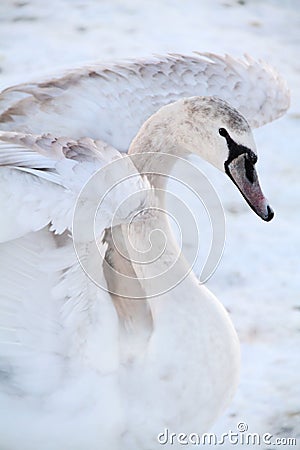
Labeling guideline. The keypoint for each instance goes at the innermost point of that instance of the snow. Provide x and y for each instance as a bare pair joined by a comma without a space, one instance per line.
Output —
258,278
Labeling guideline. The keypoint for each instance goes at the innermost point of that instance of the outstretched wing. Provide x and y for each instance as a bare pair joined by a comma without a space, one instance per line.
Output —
111,102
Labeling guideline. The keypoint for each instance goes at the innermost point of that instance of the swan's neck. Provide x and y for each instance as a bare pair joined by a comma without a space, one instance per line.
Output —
160,264
156,165
161,134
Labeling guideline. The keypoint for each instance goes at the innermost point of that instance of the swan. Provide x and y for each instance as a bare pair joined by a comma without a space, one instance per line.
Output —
81,368
67,378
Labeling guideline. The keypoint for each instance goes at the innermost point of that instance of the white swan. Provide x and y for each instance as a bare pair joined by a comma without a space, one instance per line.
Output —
64,380
67,379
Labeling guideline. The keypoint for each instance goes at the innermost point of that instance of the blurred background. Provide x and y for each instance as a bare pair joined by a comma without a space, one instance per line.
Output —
258,278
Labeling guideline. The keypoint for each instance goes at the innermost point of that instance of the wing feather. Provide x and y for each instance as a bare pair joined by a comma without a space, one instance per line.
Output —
40,178
52,317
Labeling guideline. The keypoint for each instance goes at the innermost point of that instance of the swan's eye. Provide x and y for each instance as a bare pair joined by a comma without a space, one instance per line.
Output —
253,158
223,132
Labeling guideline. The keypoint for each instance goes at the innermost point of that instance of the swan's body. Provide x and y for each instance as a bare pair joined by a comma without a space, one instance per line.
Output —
67,378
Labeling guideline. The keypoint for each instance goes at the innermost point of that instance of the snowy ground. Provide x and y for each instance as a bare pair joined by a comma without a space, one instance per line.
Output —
258,278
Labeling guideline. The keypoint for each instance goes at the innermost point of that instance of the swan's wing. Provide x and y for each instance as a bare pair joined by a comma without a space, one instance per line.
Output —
44,292
110,102
53,318
51,314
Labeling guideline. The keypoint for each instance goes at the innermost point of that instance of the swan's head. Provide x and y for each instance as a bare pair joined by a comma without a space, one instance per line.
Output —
214,130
